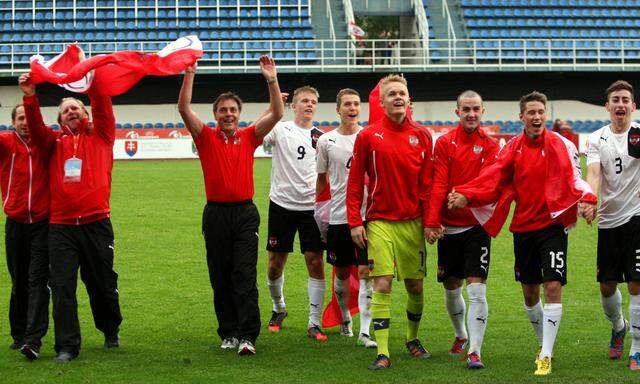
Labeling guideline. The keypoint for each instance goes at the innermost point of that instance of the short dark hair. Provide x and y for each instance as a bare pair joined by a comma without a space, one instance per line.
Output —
469,94
619,85
345,91
227,96
533,96
14,112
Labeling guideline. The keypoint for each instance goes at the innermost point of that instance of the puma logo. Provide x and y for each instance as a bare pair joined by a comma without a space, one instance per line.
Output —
314,305
379,135
484,321
554,323
635,327
535,322
458,314
332,140
603,138
378,323
484,268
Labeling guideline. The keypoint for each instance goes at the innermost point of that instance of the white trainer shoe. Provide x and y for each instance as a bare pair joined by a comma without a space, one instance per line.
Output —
246,348
366,341
229,343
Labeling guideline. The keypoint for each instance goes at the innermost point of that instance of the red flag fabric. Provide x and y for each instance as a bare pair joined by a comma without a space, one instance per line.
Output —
376,112
332,315
563,187
115,73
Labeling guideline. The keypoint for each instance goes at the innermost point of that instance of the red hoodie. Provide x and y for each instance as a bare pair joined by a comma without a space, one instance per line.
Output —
458,158
25,179
398,160
539,175
85,201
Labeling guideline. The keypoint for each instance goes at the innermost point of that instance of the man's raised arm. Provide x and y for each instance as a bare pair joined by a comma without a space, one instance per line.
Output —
268,120
191,120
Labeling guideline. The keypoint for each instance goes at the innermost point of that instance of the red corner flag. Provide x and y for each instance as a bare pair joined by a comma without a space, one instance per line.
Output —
115,73
332,315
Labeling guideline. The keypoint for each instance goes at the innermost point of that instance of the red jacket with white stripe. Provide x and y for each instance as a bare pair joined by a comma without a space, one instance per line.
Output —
398,160
25,179
458,157
85,201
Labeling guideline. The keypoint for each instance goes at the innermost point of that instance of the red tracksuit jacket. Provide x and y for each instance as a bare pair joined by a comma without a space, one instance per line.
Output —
88,200
458,158
25,179
398,160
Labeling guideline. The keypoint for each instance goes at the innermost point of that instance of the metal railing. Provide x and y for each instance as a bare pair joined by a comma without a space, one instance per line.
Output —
422,20
332,31
349,15
339,55
451,33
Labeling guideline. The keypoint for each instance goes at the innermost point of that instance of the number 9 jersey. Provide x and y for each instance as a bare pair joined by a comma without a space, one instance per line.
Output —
293,170
619,158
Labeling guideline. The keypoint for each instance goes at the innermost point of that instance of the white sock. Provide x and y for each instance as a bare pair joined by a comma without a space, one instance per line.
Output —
634,319
612,307
315,288
552,316
456,307
275,290
478,314
341,288
536,318
364,305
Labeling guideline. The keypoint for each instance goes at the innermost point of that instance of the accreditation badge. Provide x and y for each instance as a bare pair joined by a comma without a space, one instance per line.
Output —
72,170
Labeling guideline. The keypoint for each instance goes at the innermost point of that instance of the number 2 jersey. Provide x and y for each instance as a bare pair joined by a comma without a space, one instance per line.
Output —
619,158
293,170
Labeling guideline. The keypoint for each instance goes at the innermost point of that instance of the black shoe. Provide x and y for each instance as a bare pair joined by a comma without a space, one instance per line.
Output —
63,357
381,362
112,341
31,353
17,344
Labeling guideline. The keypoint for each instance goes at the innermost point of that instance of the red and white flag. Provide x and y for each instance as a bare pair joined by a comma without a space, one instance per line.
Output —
356,31
115,73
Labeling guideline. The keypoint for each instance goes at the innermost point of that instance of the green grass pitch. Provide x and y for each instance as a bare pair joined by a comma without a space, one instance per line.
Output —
168,334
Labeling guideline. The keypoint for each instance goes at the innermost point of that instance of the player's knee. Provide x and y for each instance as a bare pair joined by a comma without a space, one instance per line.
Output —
477,293
343,273
553,291
414,286
452,283
608,288
363,272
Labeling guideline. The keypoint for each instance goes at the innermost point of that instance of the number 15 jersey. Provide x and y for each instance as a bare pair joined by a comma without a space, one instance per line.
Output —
293,169
619,158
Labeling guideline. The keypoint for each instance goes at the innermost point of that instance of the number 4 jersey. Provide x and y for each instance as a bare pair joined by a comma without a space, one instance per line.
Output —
619,158
293,170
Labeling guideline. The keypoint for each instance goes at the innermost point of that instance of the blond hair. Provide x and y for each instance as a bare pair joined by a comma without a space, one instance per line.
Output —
305,89
393,78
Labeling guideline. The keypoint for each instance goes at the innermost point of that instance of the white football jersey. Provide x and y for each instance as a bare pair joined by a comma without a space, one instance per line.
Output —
334,155
619,158
293,169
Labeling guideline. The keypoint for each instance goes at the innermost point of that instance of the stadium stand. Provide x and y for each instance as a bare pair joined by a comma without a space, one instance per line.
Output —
555,24
279,26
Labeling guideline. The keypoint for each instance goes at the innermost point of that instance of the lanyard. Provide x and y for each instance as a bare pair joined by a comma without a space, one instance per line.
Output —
76,139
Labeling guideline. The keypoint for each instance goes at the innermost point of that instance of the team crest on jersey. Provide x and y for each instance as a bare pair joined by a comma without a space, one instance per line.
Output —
477,149
634,139
332,256
273,241
370,264
440,271
131,147
315,135
413,140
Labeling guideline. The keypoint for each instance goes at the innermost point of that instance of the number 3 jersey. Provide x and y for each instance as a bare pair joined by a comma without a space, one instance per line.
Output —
293,170
619,158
